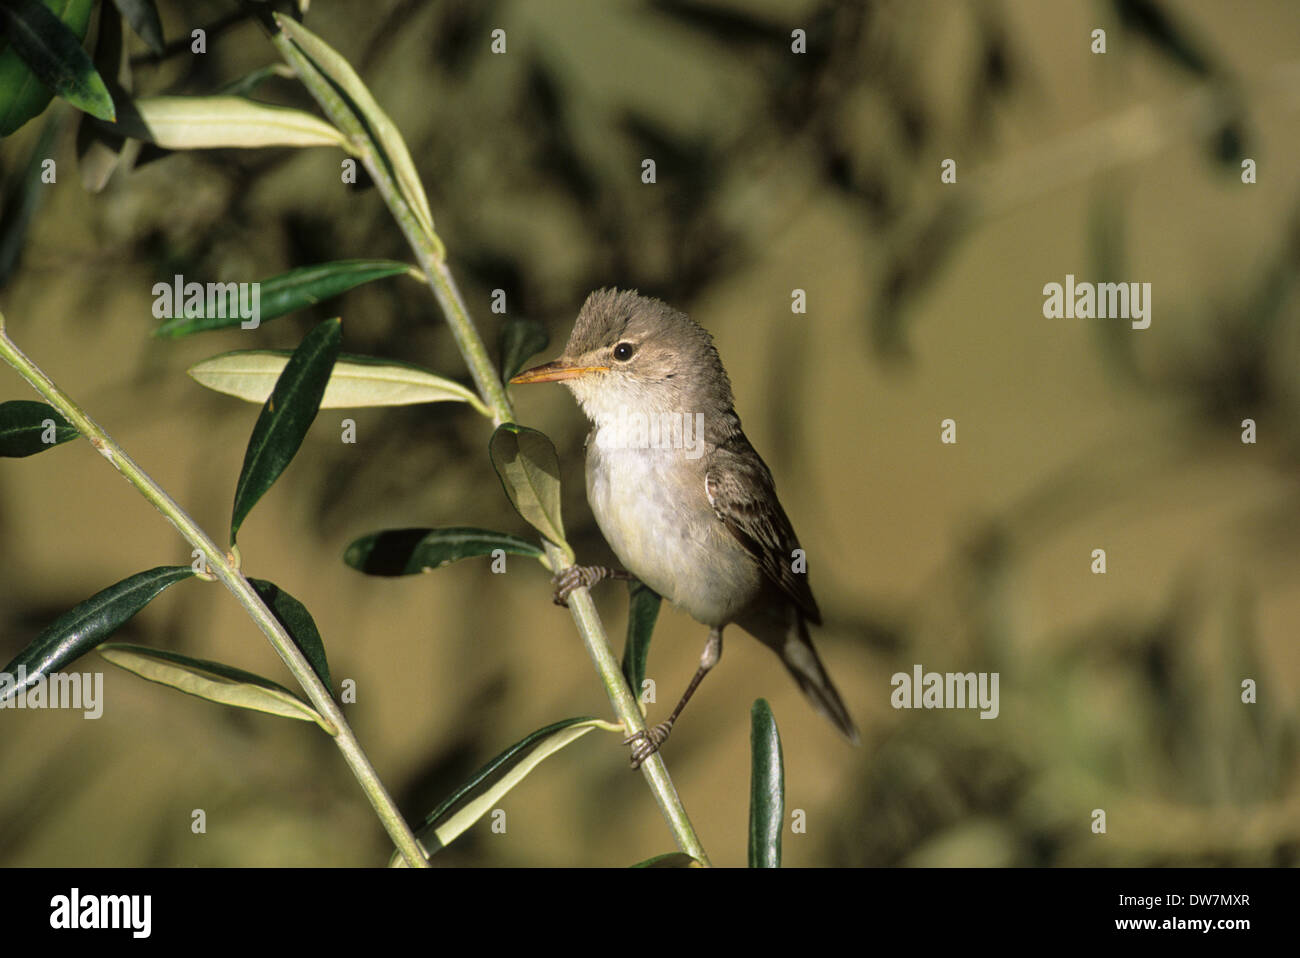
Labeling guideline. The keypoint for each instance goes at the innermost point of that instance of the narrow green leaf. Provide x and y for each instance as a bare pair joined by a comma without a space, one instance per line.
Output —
385,135
766,788
490,783
287,292
143,17
85,626
22,95
297,621
670,860
53,53
356,382
521,339
224,122
28,427
529,471
642,611
212,681
394,552
285,418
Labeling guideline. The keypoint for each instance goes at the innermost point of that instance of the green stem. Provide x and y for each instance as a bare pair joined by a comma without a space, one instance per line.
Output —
229,574
625,706
430,255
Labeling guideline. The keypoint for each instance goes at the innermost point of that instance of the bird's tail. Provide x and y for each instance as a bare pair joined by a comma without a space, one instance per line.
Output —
794,646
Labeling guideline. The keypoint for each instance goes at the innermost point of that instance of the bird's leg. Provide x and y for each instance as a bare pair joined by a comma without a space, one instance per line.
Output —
582,576
647,742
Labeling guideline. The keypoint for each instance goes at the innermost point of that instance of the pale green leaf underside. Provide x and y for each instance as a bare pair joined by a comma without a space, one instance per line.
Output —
355,383
212,681
526,462
218,122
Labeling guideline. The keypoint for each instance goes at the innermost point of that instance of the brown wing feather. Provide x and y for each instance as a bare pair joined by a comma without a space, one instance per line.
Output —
743,495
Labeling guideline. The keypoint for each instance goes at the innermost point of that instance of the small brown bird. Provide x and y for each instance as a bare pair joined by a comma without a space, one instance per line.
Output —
681,496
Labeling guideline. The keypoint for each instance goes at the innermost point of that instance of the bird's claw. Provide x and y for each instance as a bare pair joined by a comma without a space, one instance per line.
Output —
646,742
564,583
581,577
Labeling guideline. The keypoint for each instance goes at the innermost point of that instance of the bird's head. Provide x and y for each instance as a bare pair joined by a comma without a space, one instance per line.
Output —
631,353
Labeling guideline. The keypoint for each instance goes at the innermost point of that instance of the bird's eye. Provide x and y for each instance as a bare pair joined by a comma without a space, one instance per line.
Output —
624,351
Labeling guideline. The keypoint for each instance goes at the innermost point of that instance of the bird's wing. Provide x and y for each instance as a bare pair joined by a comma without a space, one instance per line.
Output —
743,495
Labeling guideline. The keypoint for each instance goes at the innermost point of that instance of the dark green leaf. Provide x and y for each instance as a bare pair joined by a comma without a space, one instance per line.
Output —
407,551
521,339
642,611
143,17
24,429
766,789
53,53
670,860
485,787
289,291
525,462
212,681
22,96
286,417
297,621
83,627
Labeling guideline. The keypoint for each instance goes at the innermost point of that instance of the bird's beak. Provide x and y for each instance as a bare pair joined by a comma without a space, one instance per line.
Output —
554,372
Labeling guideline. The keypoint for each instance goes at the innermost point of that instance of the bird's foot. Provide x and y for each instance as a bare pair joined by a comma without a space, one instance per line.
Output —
581,577
646,742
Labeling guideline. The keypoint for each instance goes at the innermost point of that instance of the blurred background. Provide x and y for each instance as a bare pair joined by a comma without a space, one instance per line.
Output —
776,171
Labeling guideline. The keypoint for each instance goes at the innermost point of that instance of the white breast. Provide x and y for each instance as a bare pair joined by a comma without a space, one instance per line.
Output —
665,532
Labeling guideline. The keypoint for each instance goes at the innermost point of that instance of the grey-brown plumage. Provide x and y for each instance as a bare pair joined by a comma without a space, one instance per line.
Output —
683,499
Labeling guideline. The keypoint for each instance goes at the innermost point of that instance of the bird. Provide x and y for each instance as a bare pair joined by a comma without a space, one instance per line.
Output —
680,494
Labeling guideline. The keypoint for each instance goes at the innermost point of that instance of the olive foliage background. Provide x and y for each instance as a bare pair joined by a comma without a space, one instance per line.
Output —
775,172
